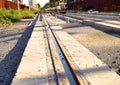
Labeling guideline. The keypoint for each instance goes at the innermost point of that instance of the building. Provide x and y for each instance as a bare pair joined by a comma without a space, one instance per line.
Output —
94,4
32,4
62,5
10,4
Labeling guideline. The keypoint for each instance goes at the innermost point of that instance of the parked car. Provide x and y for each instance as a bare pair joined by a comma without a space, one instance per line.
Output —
119,14
93,11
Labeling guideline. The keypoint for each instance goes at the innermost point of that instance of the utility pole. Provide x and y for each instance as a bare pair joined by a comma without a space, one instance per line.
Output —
18,3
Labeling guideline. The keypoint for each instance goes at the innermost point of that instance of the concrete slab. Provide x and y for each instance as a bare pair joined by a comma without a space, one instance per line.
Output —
34,66
105,25
94,71
108,24
113,22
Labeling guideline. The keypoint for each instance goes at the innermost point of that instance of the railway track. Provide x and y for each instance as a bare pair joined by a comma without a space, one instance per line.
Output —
53,57
72,77
82,18
97,22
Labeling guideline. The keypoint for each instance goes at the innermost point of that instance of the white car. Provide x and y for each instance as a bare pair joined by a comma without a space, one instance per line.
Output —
119,14
92,11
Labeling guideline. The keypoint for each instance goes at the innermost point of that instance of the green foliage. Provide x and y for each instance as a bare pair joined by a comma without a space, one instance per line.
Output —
4,19
39,6
26,13
10,16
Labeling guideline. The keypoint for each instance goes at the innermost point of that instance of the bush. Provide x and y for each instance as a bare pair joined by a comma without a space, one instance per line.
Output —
10,16
27,13
3,18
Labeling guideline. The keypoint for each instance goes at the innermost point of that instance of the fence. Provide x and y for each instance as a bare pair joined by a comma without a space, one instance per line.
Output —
4,4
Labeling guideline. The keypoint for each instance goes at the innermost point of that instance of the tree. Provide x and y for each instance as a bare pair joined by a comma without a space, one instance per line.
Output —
39,6
69,0
54,3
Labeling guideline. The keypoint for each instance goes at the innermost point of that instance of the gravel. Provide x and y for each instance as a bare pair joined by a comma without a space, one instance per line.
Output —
13,41
105,44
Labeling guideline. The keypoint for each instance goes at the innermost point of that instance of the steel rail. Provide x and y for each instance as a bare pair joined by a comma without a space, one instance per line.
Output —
68,70
51,55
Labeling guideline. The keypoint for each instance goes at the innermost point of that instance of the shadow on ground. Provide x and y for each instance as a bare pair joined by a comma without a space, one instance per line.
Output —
9,65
